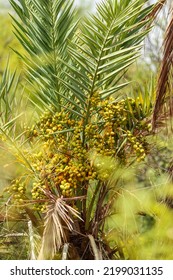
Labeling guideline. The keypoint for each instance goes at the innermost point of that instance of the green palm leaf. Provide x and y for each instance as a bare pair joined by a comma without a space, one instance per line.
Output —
106,45
44,31
67,67
9,102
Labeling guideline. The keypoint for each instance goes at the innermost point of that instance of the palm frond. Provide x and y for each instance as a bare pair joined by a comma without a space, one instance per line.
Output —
106,45
10,106
68,69
164,84
58,221
8,88
14,107
44,29
157,8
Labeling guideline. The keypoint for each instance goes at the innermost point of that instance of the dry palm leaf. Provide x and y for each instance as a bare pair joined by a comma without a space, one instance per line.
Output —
57,219
165,75
156,9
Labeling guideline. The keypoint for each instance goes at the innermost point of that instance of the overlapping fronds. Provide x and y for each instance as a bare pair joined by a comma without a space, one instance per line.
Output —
69,69
106,45
14,113
8,88
15,108
59,218
43,29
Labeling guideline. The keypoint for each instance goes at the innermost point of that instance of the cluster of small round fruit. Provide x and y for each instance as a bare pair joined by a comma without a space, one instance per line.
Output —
62,173
63,166
17,190
123,129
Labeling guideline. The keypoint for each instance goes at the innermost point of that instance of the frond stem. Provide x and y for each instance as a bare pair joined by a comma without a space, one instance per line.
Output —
54,53
94,80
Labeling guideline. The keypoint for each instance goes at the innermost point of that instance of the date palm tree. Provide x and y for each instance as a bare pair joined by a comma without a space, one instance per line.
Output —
74,71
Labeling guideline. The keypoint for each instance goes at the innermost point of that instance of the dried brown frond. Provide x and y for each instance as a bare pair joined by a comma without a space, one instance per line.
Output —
157,8
165,76
58,219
